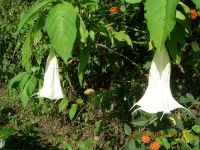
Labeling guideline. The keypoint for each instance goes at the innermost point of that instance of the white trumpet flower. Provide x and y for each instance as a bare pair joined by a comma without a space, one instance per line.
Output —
51,88
158,96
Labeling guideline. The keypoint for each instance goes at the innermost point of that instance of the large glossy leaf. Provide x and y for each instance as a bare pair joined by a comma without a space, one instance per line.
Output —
61,28
28,90
34,9
160,15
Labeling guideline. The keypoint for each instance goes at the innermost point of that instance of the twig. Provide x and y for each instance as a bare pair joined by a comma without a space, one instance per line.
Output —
133,63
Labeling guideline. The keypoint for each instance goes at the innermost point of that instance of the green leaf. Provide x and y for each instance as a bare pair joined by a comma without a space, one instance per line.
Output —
5,133
23,81
92,4
180,15
66,146
160,15
127,129
2,143
122,36
176,42
131,145
34,9
26,53
79,101
97,127
197,3
84,57
83,31
139,122
92,35
72,111
61,28
179,124
89,143
195,46
37,36
63,104
196,128
185,7
15,79
163,141
133,1
81,145
188,98
28,90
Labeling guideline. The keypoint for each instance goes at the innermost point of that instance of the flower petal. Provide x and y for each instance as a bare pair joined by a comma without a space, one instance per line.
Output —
158,97
51,88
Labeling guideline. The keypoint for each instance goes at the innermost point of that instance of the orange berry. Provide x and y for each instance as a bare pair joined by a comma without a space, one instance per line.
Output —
145,138
154,146
193,14
114,10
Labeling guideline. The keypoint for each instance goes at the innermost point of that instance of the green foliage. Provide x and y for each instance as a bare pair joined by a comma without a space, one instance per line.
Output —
4,134
108,54
61,28
63,104
26,53
34,9
160,17
72,111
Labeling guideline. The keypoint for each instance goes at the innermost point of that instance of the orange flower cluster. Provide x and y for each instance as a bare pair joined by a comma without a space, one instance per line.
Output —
154,146
145,138
193,14
114,10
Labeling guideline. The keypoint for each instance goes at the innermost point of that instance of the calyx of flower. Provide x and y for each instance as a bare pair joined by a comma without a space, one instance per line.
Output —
158,96
51,88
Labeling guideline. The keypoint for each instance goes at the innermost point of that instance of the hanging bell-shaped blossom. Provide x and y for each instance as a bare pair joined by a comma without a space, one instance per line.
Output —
51,88
158,96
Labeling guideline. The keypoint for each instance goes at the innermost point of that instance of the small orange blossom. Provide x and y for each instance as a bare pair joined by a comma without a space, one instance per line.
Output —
193,14
114,10
154,146
145,138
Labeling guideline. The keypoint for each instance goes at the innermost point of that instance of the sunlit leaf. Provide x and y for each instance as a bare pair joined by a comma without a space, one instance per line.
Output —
197,3
196,128
34,9
133,1
61,28
160,15
72,111
26,53
63,104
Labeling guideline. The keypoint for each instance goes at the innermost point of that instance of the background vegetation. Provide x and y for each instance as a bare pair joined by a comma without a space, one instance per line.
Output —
112,43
